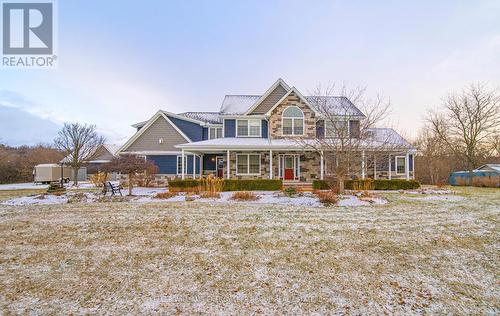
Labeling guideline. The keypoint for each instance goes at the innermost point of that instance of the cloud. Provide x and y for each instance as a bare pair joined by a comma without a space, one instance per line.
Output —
19,127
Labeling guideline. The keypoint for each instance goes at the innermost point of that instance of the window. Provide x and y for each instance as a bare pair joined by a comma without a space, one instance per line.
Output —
248,128
293,121
400,164
247,164
337,129
160,141
214,132
179,164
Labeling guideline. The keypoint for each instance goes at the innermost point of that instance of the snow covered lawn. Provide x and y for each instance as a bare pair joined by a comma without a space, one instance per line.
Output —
409,256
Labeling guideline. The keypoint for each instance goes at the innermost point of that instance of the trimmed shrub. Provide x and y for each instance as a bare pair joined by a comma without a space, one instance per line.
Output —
321,185
395,184
252,185
188,185
244,196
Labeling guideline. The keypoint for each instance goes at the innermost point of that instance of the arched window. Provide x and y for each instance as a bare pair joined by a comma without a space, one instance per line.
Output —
293,121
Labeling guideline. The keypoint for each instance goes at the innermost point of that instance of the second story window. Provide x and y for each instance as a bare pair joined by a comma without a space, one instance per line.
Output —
248,128
337,129
214,132
293,121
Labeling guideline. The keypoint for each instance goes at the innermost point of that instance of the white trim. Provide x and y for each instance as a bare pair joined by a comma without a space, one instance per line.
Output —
270,164
390,167
293,89
228,161
177,164
248,165
151,153
396,164
151,121
293,122
248,128
363,165
413,166
296,167
182,164
407,166
322,167
267,93
215,133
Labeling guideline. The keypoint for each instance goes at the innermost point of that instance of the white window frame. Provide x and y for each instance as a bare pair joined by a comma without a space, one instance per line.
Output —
214,129
336,136
396,165
185,164
248,127
293,122
248,165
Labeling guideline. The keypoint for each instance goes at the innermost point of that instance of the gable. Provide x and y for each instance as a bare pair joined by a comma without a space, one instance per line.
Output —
149,138
267,103
101,154
192,130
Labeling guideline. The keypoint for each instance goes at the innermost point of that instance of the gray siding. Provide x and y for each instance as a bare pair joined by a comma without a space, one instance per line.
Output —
101,154
270,101
149,140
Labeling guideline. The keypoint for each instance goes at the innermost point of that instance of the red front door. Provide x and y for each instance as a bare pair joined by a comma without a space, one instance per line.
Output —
289,168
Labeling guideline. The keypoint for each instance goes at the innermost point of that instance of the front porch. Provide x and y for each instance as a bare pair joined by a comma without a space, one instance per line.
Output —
294,165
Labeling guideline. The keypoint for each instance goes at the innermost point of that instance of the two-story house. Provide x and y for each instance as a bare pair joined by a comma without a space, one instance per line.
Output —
255,136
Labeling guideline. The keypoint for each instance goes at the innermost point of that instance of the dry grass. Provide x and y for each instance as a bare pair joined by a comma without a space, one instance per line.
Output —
407,257
327,197
210,195
165,195
244,196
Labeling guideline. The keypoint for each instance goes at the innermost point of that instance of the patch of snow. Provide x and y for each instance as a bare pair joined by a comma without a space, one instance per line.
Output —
429,191
48,199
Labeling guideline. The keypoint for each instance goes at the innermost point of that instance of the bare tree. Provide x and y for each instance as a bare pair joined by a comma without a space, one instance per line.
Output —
130,165
78,142
346,131
467,122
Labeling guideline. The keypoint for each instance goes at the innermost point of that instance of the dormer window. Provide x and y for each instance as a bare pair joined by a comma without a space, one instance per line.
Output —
214,132
293,121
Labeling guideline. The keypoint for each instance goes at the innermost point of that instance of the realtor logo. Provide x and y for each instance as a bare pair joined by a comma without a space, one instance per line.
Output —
28,34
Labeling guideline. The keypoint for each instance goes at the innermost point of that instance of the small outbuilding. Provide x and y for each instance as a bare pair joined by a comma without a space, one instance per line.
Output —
485,176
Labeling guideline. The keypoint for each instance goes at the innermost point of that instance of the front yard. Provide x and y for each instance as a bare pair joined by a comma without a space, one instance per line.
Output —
415,254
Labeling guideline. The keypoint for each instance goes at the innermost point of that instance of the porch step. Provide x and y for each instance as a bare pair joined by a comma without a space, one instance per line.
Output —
299,186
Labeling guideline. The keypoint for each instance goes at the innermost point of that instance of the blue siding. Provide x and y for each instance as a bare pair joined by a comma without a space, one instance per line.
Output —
205,133
264,129
192,130
410,161
166,164
230,128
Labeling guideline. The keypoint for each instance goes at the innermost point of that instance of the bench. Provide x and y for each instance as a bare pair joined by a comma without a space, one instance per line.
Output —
110,187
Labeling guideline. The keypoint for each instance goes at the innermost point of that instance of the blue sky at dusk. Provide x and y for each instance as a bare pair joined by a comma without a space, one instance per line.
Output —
121,61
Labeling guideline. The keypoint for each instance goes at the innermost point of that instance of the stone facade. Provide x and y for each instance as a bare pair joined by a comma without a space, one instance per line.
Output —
292,99
309,165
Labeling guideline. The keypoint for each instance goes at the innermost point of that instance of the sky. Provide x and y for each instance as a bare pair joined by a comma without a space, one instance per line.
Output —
121,61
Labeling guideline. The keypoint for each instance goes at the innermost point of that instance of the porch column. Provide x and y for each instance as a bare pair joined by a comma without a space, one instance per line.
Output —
407,166
202,156
270,164
375,167
182,165
194,166
363,164
390,171
413,166
228,168
322,171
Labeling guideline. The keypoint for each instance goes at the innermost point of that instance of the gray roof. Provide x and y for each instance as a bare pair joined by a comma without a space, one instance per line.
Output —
239,104
387,137
207,117
334,104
